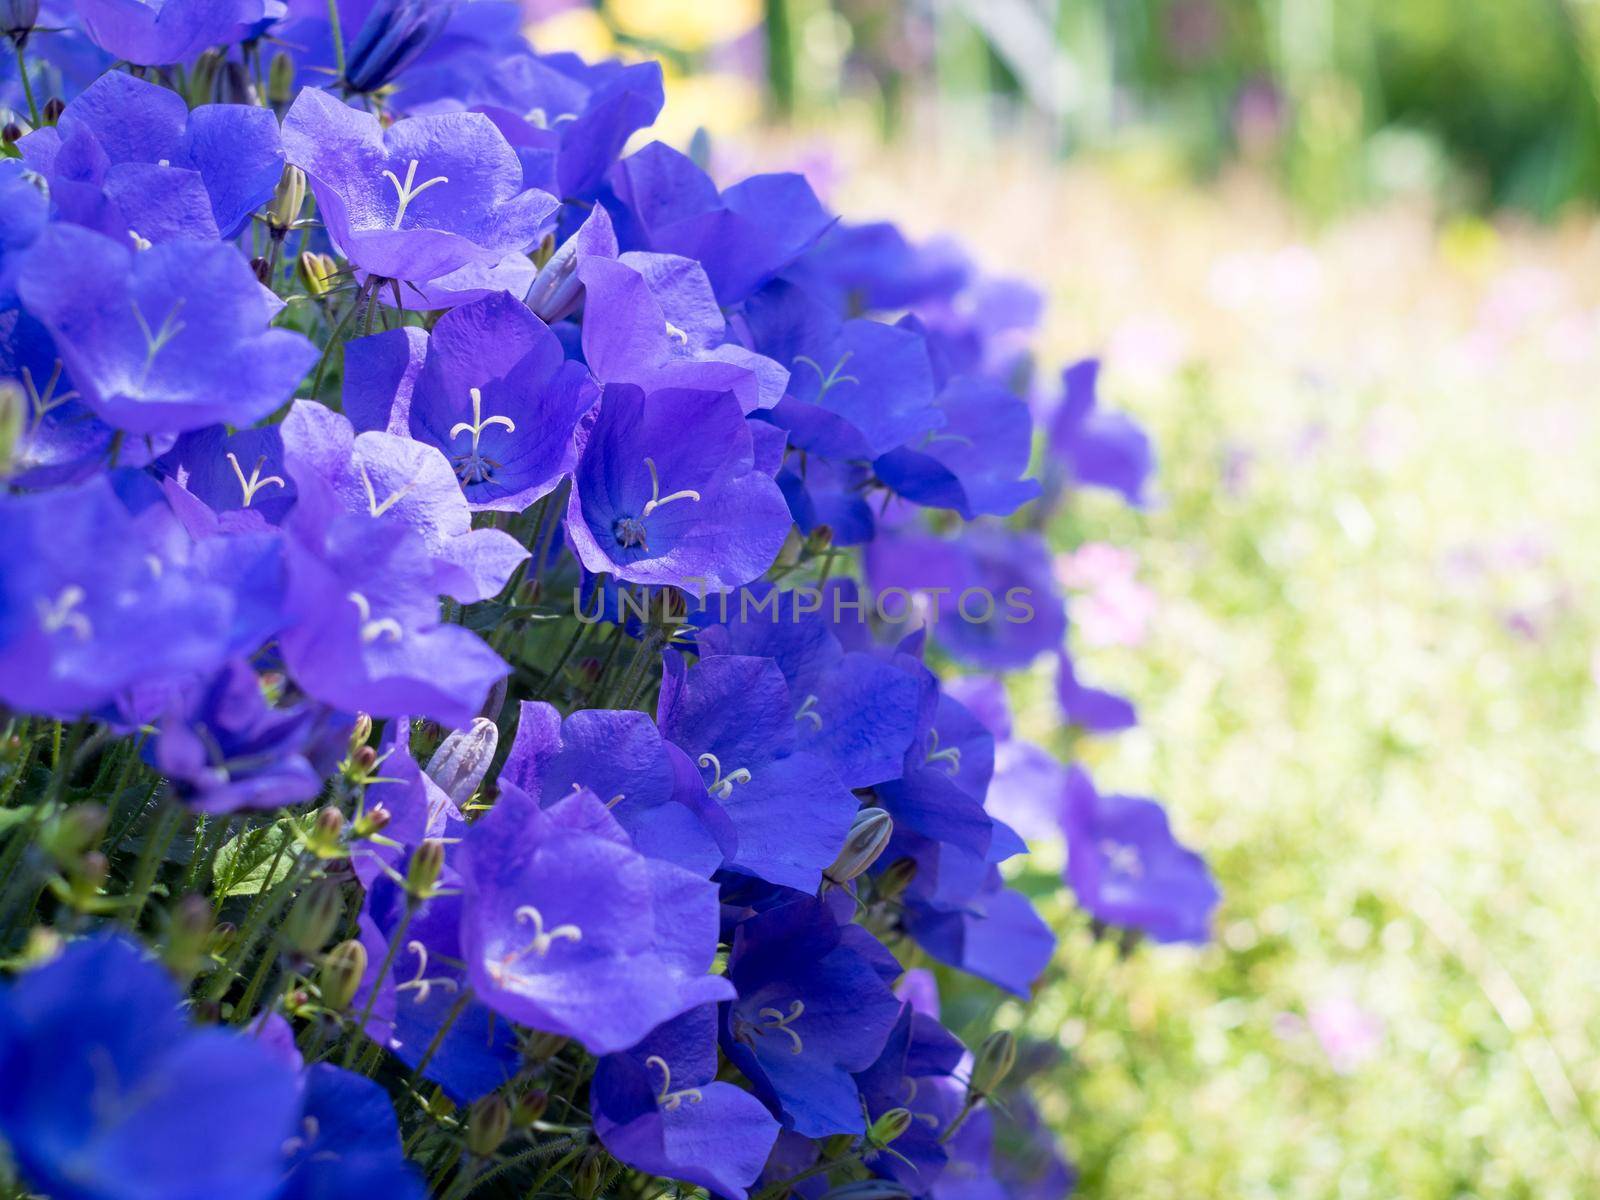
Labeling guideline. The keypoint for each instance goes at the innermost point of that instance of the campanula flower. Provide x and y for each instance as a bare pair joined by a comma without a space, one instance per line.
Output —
348,1141
165,31
130,160
238,472
735,719
915,1071
651,320
418,200
813,1008
1096,447
622,757
495,394
111,1094
742,236
995,935
162,340
659,1107
1091,708
667,491
88,607
1128,869
568,929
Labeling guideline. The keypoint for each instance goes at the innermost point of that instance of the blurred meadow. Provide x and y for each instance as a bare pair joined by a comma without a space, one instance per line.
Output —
1343,262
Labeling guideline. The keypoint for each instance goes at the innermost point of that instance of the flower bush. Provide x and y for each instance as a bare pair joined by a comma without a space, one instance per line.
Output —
478,634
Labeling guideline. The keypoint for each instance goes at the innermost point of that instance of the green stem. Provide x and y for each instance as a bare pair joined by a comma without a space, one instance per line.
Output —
561,663
27,88
157,842
338,36
552,1170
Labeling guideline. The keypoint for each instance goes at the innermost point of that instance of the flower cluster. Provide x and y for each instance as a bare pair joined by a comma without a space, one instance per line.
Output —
448,745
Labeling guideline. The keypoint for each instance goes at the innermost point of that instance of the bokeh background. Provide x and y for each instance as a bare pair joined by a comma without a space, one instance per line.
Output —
1341,258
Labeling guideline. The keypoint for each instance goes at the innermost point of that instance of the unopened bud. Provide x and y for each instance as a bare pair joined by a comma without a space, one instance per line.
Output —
75,831
342,972
586,1179
488,1123
895,879
889,1126
10,132
993,1063
280,80
233,84
52,110
462,759
530,1107
313,918
91,873
189,932
287,200
818,540
496,699
316,272
327,834
372,821
361,731
557,290
542,1047
17,19
222,938
364,759
422,872
201,75
869,834
262,270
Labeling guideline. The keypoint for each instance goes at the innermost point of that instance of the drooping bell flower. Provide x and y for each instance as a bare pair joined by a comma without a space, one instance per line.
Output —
162,340
111,1095
915,1071
733,717
743,236
1128,869
813,1008
660,1108
668,491
566,928
130,160
416,201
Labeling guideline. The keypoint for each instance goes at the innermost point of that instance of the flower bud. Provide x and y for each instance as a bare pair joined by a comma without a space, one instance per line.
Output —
316,272
313,918
586,1179
233,84
373,821
75,831
91,873
557,291
189,931
201,75
17,19
530,1107
495,700
818,540
488,1123
222,938
889,1126
10,132
280,80
262,270
13,414
542,1047
422,872
364,759
462,759
52,110
896,878
869,834
327,833
361,731
342,972
993,1063
287,200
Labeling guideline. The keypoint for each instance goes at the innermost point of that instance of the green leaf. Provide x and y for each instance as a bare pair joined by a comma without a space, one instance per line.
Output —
244,865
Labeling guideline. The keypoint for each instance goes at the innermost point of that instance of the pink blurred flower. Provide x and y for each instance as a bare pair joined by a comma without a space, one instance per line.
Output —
1113,608
1349,1034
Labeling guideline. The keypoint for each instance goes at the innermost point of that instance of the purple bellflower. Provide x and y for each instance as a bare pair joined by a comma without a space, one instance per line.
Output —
568,929
742,236
155,33
416,201
111,1094
659,1107
668,491
348,1143
734,717
162,340
1128,869
130,160
1099,448
813,1008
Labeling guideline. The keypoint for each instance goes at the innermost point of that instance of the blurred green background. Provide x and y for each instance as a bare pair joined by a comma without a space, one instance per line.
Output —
1342,259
